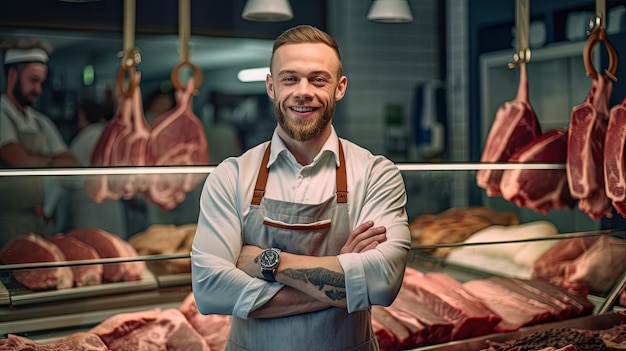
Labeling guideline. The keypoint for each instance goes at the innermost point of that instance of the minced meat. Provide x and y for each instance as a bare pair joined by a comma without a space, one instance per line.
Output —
558,338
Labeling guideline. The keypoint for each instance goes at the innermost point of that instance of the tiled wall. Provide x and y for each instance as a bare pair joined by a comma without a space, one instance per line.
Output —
383,63
457,97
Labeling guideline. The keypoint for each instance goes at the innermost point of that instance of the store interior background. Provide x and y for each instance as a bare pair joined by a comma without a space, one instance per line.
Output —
418,92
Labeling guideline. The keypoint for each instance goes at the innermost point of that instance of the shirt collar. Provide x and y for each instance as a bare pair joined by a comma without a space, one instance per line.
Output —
330,146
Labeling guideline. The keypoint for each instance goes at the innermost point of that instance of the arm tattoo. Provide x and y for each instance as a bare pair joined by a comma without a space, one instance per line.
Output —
317,276
321,277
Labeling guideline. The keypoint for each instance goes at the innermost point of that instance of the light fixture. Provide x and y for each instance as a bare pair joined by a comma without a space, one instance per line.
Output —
390,11
253,74
267,10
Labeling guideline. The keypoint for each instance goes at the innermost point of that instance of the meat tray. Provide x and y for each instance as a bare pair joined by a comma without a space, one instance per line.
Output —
604,321
20,296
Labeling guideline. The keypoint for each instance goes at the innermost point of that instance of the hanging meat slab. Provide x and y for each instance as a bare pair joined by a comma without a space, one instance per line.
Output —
178,139
614,158
539,189
514,126
123,142
585,145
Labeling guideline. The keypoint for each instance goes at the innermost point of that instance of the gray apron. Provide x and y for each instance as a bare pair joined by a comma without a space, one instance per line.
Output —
330,329
21,198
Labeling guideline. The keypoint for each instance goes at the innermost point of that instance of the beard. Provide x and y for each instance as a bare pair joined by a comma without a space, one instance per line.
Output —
23,99
303,129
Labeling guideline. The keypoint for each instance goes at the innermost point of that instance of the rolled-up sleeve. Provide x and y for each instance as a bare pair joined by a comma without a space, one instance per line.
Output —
219,287
374,277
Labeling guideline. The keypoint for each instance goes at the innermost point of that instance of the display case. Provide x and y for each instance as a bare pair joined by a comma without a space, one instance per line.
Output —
48,313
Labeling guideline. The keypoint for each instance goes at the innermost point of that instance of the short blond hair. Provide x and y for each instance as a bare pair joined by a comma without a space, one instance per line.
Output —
305,34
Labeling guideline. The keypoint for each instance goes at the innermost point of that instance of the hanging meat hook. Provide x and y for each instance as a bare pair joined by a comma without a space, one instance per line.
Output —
600,35
184,29
131,56
522,23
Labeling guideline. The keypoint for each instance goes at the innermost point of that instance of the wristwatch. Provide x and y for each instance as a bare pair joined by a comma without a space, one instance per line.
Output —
269,260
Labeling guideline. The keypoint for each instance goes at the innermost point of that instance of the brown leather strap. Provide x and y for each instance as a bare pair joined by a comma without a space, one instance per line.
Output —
341,178
261,180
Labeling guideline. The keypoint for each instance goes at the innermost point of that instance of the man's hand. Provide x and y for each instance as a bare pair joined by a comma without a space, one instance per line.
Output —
364,237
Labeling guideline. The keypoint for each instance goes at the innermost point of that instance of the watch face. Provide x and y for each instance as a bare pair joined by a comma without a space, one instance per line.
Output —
269,258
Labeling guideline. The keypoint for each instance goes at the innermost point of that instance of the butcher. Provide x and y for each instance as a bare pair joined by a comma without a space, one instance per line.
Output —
28,139
298,237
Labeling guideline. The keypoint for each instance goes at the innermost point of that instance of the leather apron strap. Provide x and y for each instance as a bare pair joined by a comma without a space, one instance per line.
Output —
261,180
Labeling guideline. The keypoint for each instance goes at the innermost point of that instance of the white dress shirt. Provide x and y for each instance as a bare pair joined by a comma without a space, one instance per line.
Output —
375,192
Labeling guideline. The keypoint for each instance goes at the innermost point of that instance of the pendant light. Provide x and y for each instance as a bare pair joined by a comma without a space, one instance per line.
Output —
267,10
390,11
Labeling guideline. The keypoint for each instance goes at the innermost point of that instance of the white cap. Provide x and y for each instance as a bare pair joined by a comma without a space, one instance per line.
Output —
25,55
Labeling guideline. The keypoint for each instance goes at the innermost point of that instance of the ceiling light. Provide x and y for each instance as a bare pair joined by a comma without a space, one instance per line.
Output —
253,74
390,11
267,10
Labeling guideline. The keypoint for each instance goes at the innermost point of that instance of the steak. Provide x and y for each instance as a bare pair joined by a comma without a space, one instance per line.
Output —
177,139
401,334
123,142
74,249
109,245
589,272
514,126
213,328
585,145
150,330
386,340
539,189
614,158
516,310
446,297
439,329
33,248
551,265
81,341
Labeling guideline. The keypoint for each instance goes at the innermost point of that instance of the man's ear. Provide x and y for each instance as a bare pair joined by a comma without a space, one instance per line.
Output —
340,92
269,86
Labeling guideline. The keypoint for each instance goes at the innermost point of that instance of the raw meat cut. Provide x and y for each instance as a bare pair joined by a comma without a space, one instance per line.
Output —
418,331
539,189
109,245
514,126
33,248
551,265
401,334
123,142
74,249
447,298
590,271
81,341
439,328
579,303
585,150
213,328
177,139
614,158
515,309
150,330
560,309
386,340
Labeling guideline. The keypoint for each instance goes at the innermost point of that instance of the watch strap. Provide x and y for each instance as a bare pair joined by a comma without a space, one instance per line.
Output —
268,274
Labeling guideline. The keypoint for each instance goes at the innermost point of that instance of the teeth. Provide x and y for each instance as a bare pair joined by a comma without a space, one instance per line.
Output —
302,109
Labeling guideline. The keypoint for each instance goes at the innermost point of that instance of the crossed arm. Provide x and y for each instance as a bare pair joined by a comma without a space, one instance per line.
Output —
16,156
311,283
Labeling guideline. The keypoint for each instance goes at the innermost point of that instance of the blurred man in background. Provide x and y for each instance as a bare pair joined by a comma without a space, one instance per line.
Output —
28,139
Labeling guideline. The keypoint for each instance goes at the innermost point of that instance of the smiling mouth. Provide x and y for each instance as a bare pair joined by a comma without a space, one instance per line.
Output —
301,109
